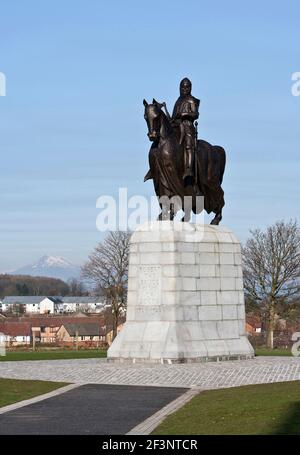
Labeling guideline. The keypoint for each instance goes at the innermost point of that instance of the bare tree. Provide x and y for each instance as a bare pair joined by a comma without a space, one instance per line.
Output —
76,287
107,269
271,263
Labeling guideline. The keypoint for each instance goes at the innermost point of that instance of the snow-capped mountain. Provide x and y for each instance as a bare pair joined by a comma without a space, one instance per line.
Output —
50,266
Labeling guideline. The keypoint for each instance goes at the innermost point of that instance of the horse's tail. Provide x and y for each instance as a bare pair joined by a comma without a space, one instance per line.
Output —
222,155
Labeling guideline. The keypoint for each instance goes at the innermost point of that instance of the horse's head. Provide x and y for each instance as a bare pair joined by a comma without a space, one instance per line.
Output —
153,115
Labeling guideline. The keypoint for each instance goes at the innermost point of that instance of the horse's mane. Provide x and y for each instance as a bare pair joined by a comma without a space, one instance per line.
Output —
167,121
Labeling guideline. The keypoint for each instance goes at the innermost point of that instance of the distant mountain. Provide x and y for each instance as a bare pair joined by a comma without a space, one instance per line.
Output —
50,266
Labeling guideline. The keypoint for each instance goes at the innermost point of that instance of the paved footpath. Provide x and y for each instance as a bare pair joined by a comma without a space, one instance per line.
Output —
211,375
90,409
123,398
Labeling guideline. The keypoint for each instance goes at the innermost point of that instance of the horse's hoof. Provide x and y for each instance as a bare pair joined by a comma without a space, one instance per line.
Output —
216,221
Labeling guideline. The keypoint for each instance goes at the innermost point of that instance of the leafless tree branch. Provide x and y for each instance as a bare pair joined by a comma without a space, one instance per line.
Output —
271,264
107,269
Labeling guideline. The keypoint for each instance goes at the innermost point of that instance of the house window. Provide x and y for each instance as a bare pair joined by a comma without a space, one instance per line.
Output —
43,329
91,338
82,338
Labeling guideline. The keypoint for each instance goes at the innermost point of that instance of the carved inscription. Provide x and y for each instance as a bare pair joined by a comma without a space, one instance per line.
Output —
149,282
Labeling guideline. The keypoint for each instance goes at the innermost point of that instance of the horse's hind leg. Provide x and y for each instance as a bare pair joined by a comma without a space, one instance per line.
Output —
172,212
218,217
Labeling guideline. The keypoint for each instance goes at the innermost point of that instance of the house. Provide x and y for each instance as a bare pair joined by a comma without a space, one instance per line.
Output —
31,302
45,328
51,305
16,333
54,304
109,335
72,304
34,304
253,325
81,333
45,332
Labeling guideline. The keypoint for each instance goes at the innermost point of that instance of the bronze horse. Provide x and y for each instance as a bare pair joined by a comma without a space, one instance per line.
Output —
167,168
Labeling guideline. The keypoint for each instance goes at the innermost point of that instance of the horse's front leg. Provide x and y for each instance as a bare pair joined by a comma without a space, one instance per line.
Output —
187,208
167,213
187,215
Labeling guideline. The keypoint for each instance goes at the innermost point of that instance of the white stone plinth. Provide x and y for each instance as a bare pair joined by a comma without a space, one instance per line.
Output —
185,296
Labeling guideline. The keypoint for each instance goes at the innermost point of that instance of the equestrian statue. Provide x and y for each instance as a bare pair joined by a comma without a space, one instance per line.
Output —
180,164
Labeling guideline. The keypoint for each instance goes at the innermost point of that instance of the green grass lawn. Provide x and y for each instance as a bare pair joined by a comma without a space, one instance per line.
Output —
53,355
273,352
255,409
13,390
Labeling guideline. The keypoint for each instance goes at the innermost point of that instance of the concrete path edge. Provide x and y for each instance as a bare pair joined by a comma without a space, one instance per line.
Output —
44,396
147,426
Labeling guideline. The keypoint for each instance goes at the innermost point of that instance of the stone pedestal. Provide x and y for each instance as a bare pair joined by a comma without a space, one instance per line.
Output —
185,296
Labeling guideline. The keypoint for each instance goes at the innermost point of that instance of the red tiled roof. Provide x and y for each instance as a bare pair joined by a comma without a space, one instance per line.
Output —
254,321
57,321
84,329
16,328
24,325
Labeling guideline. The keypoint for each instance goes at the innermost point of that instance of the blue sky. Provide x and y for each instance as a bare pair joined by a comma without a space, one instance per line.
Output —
72,127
